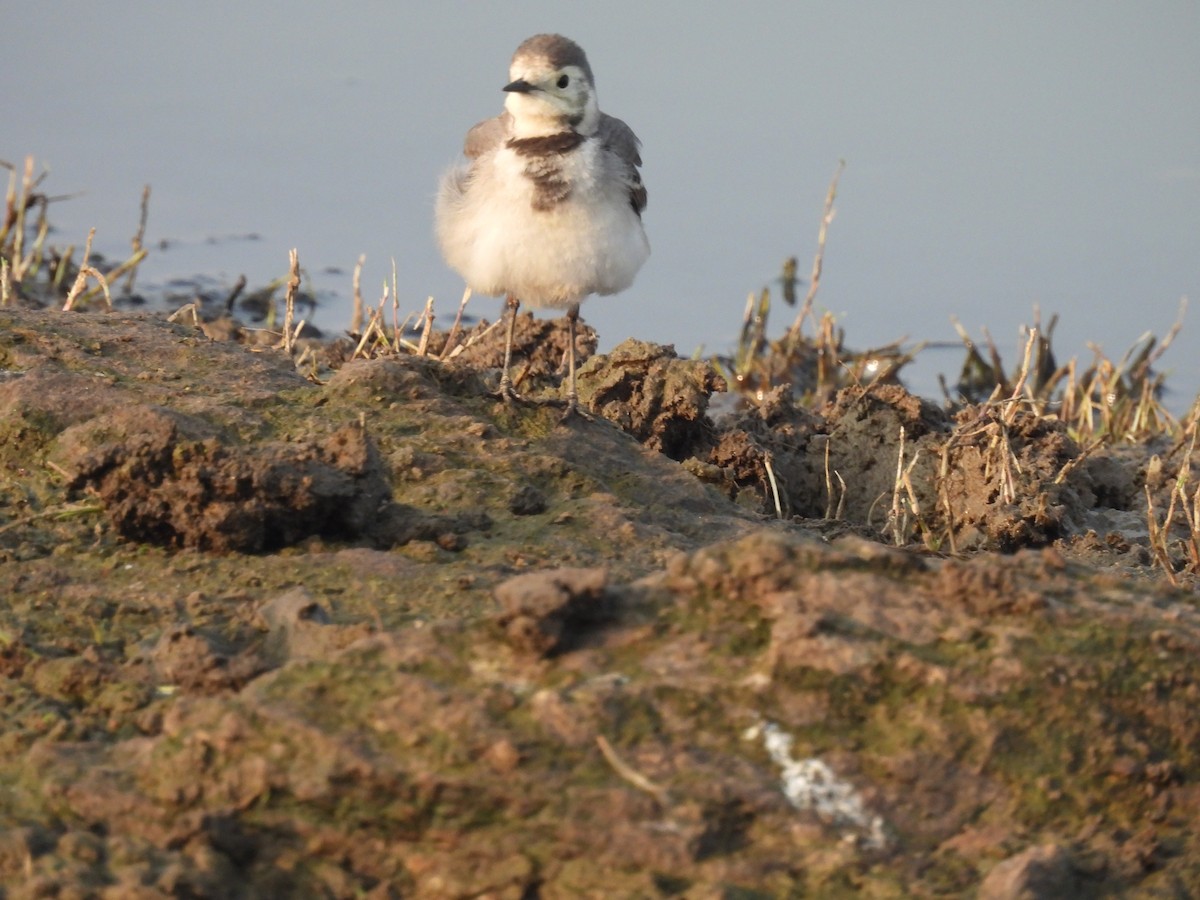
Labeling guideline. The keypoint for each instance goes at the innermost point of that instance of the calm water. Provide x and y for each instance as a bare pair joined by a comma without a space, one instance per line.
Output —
998,156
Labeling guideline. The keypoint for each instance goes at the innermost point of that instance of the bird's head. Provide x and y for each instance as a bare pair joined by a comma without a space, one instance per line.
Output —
551,88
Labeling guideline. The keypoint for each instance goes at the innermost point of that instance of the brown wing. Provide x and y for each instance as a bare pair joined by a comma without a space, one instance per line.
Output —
487,135
619,138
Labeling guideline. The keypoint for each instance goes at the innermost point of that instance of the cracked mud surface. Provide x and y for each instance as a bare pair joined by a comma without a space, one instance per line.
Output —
385,636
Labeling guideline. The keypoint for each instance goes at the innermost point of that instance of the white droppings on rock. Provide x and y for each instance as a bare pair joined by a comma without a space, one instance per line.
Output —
810,784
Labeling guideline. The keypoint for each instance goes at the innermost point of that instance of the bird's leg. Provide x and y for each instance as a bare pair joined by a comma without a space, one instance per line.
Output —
572,396
506,391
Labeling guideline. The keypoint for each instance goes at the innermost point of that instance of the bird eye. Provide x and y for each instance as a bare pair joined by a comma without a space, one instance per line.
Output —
563,81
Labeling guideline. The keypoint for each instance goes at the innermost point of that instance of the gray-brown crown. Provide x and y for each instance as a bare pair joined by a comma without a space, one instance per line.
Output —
557,50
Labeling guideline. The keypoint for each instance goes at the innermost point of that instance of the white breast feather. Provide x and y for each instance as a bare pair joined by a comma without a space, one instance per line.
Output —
591,243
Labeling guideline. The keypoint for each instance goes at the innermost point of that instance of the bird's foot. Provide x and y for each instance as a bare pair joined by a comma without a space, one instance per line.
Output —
574,412
507,392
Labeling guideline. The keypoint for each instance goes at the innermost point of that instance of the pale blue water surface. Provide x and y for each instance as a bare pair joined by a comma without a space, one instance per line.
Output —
998,155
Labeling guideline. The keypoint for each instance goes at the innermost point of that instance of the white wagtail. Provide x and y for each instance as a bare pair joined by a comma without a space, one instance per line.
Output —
547,209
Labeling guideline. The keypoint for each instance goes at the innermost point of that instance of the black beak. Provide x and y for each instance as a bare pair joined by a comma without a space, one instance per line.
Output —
520,86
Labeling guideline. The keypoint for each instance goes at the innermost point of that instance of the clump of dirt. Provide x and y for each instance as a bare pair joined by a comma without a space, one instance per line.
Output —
648,392
863,428
539,347
543,612
762,452
246,649
1046,871
1011,484
188,659
163,482
981,482
299,627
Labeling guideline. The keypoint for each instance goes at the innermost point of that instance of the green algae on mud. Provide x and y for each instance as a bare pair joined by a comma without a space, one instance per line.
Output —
338,717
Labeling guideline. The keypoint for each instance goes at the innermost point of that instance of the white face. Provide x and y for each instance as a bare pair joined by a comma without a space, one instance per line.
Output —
557,96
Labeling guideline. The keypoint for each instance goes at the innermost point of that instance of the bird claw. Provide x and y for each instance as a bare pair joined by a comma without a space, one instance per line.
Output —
574,412
506,392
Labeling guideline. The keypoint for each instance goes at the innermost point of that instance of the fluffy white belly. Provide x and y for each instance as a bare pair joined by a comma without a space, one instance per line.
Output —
590,243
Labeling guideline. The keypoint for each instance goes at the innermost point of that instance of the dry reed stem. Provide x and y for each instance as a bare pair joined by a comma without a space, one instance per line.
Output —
627,772
793,335
33,262
754,328
894,514
64,264
373,327
944,491
38,248
475,338
523,374
1014,400
180,313
1151,358
64,511
914,504
396,328
899,514
1071,398
1160,534
404,326
774,485
456,328
139,251
1070,464
86,271
829,506
19,262
427,328
356,318
1191,514
15,208
1158,539
297,331
128,266
10,202
293,284
1008,484
1191,517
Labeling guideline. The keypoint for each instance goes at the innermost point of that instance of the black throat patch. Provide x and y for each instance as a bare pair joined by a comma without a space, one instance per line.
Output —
547,145
544,167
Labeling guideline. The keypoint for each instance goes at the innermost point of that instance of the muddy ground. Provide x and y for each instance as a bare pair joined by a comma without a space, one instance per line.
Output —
378,634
